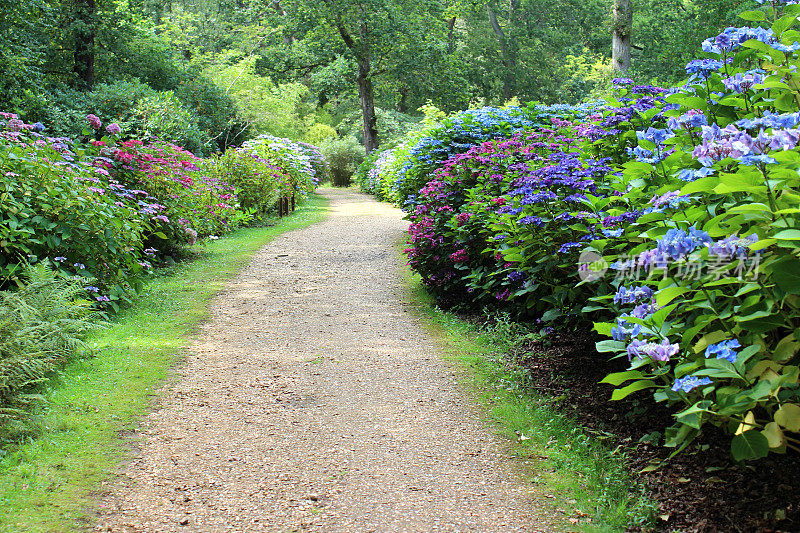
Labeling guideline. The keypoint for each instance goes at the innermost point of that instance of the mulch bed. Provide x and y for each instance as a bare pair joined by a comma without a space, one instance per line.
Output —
697,491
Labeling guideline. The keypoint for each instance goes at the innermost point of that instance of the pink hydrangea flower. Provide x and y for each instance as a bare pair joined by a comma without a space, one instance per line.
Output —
94,121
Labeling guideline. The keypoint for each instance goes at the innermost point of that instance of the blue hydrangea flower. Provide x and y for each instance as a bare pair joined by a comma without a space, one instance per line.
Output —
531,220
678,243
644,311
703,67
654,135
724,350
624,331
633,295
691,174
689,383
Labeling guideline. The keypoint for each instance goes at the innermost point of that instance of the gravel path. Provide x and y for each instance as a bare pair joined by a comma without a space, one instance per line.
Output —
312,400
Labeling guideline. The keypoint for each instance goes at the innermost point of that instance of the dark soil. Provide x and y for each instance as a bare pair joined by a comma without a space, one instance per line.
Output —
699,490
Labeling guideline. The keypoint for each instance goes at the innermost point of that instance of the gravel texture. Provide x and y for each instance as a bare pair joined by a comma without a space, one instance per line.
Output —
313,400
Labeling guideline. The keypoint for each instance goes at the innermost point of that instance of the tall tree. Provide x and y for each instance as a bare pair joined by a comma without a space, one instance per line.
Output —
379,37
85,28
622,28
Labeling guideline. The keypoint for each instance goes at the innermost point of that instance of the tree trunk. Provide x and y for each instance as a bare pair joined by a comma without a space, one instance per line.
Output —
621,38
366,96
402,104
451,36
508,52
85,43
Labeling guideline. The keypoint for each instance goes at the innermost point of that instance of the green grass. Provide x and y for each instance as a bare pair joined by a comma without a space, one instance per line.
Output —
575,474
47,484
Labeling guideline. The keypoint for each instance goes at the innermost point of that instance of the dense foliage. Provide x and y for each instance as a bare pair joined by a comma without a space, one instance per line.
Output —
667,217
103,208
83,221
42,327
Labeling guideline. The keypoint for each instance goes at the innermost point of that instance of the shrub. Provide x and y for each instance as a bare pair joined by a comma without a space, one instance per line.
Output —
708,291
697,217
301,162
494,227
319,133
258,182
429,148
195,203
343,157
55,205
371,173
162,116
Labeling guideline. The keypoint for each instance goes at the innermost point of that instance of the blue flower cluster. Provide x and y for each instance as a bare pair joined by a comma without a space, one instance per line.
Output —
689,383
633,295
678,243
724,350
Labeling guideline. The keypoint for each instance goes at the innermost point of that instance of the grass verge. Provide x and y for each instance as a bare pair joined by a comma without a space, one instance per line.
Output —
581,479
46,485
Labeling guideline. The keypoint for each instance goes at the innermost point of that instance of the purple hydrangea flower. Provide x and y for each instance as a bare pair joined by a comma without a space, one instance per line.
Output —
732,246
516,276
672,199
743,82
662,351
113,128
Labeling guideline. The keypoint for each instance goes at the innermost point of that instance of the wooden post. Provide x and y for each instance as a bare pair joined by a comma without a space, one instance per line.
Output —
293,202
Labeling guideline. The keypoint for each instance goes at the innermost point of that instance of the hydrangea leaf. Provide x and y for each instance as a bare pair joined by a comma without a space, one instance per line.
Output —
788,416
749,445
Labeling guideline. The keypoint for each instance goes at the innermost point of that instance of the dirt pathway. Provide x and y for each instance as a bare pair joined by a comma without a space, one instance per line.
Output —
312,400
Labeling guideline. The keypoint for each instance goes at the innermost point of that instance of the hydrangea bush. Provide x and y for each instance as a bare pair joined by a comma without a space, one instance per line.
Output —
709,295
427,149
669,217
301,162
105,209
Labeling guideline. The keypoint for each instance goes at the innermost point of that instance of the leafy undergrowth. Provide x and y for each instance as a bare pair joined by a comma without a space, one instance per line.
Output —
699,490
46,484
584,481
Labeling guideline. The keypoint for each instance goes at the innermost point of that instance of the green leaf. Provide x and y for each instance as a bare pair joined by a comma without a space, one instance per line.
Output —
665,296
750,208
774,435
754,16
788,235
788,416
633,387
783,23
603,328
709,339
786,274
618,378
749,445
609,346
760,245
